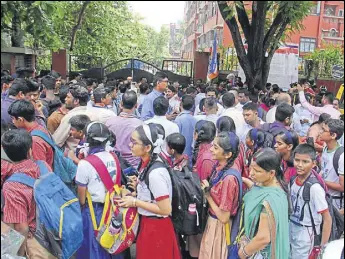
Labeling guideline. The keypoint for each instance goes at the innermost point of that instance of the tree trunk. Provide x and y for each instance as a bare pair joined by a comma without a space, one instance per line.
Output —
77,26
17,34
261,46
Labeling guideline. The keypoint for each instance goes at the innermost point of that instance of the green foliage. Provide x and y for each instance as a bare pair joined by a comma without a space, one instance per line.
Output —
324,59
108,29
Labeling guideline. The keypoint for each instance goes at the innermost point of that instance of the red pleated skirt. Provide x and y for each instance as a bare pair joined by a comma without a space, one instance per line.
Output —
157,239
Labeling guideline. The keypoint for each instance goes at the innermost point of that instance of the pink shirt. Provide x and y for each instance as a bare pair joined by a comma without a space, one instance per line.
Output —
317,111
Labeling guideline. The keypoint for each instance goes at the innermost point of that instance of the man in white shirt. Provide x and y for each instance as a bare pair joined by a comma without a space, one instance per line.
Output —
102,100
282,98
76,102
211,92
251,117
174,100
160,108
201,95
210,108
238,105
231,111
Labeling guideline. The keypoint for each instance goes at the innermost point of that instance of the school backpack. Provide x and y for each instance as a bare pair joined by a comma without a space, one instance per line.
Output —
336,158
114,243
63,166
58,213
337,219
186,192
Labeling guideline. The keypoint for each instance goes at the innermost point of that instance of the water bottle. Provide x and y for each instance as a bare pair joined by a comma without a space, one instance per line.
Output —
115,223
192,209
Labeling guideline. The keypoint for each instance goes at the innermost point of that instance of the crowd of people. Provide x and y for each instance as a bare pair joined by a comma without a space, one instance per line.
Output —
278,142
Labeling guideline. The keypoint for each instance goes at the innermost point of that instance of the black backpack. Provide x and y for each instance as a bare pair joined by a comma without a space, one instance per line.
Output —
337,219
186,190
336,158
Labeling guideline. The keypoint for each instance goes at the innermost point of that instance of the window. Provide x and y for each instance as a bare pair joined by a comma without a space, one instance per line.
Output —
341,13
330,10
307,44
333,33
313,9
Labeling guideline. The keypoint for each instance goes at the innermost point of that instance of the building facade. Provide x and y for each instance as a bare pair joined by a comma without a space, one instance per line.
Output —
324,25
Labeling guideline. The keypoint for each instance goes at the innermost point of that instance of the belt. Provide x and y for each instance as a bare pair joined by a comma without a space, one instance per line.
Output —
300,225
212,215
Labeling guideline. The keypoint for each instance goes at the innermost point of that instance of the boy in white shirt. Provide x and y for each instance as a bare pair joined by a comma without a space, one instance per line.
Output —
301,220
332,131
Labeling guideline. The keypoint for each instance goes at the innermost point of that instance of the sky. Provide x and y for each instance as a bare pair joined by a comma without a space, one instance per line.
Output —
157,13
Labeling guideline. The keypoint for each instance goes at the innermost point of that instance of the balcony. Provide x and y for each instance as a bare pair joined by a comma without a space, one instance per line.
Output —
333,38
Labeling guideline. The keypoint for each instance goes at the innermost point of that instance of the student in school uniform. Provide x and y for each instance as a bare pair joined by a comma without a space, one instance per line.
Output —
157,238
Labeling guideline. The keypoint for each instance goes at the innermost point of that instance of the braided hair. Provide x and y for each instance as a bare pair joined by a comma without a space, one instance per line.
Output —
229,142
206,131
226,124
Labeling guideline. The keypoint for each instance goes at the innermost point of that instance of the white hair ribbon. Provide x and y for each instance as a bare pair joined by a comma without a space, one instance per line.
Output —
159,142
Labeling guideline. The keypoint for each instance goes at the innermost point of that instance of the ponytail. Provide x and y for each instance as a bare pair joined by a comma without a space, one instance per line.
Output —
206,131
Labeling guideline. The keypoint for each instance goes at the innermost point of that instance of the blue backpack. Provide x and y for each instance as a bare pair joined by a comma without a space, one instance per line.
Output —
62,166
58,213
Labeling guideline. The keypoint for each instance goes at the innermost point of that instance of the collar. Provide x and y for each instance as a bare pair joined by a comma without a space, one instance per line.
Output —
60,110
144,164
159,117
35,125
212,116
183,158
185,112
154,91
219,167
79,108
205,147
99,105
127,115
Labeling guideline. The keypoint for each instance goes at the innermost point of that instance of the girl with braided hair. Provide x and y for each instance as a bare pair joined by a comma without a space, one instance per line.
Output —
256,140
285,144
204,134
222,191
227,124
153,197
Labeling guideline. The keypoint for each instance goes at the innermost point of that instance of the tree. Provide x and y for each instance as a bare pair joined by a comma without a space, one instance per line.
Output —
106,29
31,23
324,59
263,27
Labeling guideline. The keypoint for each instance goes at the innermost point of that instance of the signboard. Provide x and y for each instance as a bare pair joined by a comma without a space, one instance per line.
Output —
337,71
284,66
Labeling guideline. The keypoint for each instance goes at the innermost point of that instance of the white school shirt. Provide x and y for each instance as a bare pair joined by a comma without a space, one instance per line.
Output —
87,176
329,174
160,187
318,204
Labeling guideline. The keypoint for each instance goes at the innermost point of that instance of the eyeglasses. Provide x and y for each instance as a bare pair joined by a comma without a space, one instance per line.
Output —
323,130
134,143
